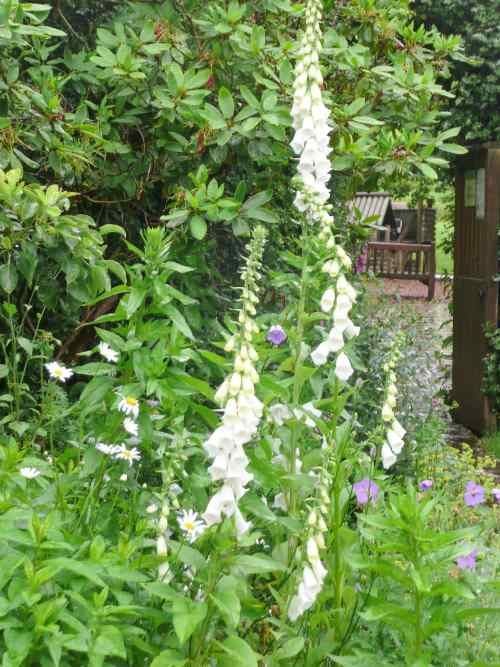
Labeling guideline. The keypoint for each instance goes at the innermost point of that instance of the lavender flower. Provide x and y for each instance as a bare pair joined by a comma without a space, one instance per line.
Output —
366,490
276,335
474,494
496,494
362,261
467,562
426,484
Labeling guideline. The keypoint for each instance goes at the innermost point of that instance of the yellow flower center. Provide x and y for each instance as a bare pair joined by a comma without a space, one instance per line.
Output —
188,525
58,372
132,402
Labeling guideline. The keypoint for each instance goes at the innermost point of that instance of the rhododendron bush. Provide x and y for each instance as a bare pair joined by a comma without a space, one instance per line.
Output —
184,488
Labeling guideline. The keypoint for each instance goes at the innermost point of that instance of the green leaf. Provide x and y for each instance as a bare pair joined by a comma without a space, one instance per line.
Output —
94,368
426,170
112,229
187,615
456,149
110,642
96,391
201,386
241,654
257,200
168,658
198,227
8,565
257,564
133,301
179,321
8,277
86,570
290,648
226,103
228,603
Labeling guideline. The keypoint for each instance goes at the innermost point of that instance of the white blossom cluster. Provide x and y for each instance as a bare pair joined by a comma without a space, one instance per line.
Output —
337,301
314,572
310,118
394,437
312,143
242,409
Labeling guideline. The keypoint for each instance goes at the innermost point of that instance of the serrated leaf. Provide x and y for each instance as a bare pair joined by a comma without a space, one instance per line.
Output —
187,616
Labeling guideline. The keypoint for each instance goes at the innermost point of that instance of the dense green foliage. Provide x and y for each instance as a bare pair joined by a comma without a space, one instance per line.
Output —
475,81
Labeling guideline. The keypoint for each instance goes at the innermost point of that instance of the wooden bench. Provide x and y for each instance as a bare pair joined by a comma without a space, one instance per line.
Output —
406,261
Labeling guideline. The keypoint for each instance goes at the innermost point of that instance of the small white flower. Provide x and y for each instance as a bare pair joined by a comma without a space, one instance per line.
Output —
30,473
124,477
175,489
190,524
58,371
343,368
279,413
129,455
129,406
151,509
110,450
130,426
108,353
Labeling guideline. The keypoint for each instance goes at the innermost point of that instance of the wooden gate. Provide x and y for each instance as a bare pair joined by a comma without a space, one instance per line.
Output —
475,291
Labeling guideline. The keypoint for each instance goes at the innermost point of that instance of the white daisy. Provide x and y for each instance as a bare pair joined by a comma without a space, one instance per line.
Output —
30,473
129,405
130,426
110,450
129,455
58,371
190,524
108,353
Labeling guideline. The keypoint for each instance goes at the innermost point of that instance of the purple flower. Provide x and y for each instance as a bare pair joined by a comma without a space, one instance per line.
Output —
276,335
366,490
362,261
426,484
496,494
467,562
474,494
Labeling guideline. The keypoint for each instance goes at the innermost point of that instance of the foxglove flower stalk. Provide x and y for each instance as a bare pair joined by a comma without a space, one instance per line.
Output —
162,542
394,438
242,409
314,572
312,144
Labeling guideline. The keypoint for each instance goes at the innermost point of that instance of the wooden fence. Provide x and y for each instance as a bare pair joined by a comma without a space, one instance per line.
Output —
406,261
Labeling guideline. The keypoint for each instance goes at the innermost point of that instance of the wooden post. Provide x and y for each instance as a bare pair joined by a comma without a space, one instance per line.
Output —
432,272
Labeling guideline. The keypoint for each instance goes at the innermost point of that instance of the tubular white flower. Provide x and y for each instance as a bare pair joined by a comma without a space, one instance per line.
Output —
242,409
343,368
319,355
